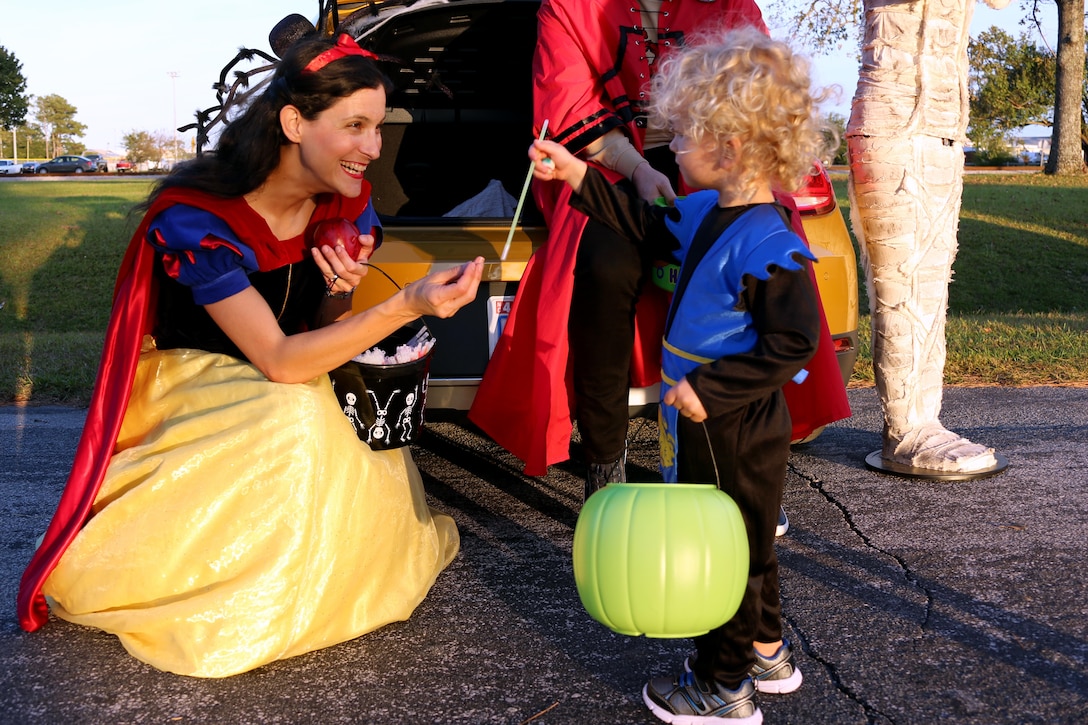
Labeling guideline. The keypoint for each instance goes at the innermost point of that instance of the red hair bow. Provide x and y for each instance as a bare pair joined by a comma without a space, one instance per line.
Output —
345,46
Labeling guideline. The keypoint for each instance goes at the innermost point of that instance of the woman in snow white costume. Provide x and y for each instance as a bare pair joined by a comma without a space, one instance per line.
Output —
221,513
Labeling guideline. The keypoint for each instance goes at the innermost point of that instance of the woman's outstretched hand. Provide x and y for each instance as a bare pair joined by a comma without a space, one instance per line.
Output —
442,293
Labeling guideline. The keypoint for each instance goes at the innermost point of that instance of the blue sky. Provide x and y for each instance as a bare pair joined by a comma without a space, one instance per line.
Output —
111,59
841,67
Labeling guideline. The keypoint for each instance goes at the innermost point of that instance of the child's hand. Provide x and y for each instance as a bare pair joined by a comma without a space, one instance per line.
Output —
552,162
682,397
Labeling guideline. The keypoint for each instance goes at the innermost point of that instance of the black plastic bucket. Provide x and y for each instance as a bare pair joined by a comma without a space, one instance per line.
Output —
385,403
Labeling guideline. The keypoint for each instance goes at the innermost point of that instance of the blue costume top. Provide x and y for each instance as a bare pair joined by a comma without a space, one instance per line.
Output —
202,252
706,324
202,260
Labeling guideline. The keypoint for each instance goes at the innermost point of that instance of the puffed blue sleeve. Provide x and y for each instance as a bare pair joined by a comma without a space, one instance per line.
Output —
369,223
201,252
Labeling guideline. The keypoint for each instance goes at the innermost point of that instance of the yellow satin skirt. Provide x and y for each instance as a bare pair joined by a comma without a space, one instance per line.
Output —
242,522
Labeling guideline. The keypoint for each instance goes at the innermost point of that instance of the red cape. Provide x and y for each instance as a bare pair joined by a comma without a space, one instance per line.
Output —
524,401
821,398
132,317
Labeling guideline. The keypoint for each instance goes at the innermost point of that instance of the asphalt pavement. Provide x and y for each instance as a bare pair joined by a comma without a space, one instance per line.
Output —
909,601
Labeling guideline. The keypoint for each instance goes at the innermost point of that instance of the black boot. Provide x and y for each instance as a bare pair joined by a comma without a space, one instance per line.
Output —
600,475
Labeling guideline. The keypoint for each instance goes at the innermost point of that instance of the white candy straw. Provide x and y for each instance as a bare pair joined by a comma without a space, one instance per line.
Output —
521,200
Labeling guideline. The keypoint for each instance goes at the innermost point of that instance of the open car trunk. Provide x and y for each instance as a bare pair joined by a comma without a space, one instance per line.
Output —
461,114
454,162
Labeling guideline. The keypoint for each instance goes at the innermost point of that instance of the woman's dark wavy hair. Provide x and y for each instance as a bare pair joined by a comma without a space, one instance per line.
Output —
249,147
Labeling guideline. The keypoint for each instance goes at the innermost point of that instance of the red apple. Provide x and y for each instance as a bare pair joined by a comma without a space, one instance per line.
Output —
333,232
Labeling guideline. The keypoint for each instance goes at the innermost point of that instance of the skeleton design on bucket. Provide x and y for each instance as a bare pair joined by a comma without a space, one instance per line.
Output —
404,420
380,430
905,137
352,413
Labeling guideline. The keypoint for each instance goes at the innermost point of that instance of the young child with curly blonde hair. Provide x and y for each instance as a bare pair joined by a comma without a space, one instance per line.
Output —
743,322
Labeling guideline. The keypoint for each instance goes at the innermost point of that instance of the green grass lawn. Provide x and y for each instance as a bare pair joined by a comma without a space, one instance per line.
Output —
1018,304
60,245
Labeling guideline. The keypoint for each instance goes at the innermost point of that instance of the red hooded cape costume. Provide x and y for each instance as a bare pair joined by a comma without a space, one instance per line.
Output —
133,316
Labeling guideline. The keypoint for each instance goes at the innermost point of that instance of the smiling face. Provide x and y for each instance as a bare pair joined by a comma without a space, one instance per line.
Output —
336,147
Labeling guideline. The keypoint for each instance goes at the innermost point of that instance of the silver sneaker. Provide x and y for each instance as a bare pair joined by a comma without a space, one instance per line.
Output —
775,675
688,700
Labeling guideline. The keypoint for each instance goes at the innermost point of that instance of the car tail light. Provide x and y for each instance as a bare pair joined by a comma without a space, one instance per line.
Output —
816,195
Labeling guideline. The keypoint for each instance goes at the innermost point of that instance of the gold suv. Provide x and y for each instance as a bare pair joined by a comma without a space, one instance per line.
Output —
454,156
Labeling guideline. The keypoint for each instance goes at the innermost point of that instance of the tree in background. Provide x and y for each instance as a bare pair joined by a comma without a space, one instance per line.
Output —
1011,85
156,149
57,119
1069,140
822,25
14,102
28,137
33,143
825,25
141,146
167,146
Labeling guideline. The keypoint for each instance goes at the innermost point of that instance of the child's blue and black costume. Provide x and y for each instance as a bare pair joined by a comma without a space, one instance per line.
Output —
743,322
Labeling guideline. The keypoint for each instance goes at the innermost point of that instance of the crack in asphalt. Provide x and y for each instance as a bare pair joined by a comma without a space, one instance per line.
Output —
814,483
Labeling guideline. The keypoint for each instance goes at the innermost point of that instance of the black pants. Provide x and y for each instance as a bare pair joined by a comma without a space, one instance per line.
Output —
751,449
609,274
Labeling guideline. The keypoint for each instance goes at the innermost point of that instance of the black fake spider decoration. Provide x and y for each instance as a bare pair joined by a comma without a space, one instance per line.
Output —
286,32
282,36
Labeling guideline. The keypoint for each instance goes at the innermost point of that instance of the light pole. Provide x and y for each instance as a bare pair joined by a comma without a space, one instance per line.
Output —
174,89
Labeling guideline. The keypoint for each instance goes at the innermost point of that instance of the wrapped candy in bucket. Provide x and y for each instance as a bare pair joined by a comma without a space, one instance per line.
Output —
383,398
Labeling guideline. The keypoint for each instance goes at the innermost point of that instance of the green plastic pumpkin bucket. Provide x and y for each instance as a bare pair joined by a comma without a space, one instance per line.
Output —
660,559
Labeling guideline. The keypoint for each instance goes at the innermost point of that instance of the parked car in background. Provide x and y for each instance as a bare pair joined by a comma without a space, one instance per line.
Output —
8,167
99,160
67,165
29,167
124,166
